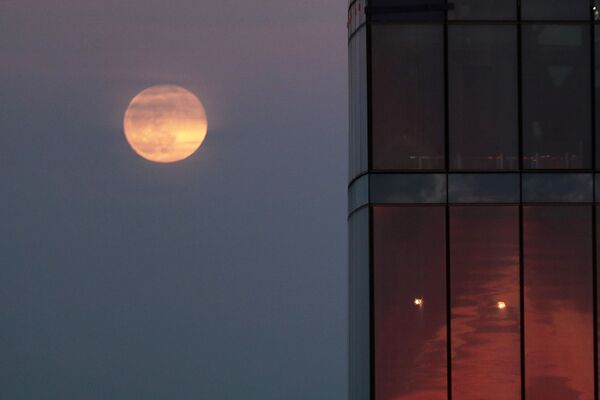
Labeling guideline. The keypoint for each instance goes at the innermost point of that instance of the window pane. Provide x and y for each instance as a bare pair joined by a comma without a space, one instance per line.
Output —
559,319
407,10
484,188
556,187
483,97
483,9
359,302
555,9
358,103
408,96
410,303
408,188
485,302
556,97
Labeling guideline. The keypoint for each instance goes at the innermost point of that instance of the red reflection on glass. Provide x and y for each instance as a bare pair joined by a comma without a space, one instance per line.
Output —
559,362
484,245
410,303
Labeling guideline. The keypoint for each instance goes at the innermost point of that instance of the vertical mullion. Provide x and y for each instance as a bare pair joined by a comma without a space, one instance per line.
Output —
593,83
594,207
371,306
522,295
521,210
448,303
369,50
595,291
447,168
446,98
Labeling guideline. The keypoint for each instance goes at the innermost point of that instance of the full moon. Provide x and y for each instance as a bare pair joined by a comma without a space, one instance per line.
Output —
165,123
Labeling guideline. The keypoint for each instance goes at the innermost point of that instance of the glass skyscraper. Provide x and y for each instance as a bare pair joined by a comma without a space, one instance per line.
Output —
474,179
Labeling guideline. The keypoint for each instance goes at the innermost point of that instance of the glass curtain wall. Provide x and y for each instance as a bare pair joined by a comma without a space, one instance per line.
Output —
475,194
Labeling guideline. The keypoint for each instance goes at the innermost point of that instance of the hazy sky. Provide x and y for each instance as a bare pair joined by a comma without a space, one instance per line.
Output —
220,277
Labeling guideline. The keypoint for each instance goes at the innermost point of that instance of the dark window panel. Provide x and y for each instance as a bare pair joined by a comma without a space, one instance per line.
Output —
555,9
483,110
556,97
408,97
559,361
410,303
407,188
556,187
484,188
408,10
485,302
483,9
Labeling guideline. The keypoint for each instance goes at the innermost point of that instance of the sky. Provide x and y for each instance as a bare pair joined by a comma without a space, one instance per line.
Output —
219,277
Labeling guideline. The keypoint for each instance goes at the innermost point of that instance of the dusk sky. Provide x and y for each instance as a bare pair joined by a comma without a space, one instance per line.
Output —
222,276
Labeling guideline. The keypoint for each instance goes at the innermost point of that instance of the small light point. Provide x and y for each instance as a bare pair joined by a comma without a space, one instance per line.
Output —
419,302
501,305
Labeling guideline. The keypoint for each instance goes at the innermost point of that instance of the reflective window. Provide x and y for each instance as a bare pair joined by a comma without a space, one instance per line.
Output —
556,187
559,320
407,188
410,303
555,9
483,9
485,293
483,97
484,188
556,96
408,96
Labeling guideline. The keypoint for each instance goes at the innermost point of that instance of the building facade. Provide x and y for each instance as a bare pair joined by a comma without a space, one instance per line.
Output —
473,187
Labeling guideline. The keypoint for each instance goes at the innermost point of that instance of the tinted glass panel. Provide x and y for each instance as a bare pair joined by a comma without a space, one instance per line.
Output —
358,103
556,97
485,302
546,188
559,321
359,315
410,303
408,188
408,96
483,9
483,188
407,10
555,9
483,97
